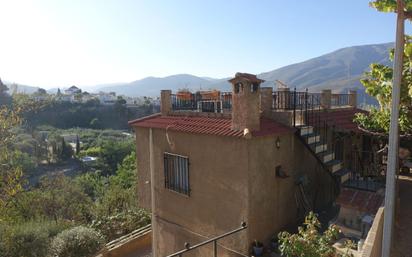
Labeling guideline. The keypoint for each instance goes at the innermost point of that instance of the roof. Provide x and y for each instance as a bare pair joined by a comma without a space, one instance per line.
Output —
247,76
207,125
360,200
342,118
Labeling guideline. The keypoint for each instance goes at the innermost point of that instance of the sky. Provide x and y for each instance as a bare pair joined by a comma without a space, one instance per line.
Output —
49,43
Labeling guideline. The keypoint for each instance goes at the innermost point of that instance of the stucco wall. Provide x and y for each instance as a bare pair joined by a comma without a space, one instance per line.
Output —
272,199
231,180
143,172
218,182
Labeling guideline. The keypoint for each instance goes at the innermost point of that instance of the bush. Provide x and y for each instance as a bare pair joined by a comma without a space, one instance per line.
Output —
122,223
76,242
30,239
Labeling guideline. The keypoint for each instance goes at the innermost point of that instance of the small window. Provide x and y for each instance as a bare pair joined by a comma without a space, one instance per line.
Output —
238,87
176,169
254,87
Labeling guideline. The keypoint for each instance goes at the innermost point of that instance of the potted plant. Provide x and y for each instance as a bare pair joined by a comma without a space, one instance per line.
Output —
257,248
274,244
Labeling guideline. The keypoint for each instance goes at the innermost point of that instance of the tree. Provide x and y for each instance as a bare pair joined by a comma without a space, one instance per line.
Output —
378,83
77,145
389,5
3,88
4,97
57,198
41,91
66,150
10,174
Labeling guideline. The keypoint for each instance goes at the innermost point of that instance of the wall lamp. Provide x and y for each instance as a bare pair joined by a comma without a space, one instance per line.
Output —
277,142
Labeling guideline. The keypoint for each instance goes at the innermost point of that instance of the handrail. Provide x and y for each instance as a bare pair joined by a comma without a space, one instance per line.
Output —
214,240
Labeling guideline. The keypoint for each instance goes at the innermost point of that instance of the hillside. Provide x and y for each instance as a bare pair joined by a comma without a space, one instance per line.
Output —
339,71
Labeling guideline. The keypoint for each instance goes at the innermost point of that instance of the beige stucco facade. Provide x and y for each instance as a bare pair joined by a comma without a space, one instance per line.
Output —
231,180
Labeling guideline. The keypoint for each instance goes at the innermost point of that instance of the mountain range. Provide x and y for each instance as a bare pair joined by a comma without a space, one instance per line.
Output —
339,70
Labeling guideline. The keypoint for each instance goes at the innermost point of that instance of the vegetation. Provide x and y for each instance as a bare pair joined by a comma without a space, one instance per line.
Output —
378,83
390,5
10,172
90,114
309,241
77,242
47,211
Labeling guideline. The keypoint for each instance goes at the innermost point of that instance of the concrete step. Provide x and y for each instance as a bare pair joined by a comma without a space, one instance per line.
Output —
319,147
312,138
327,156
334,165
343,175
306,130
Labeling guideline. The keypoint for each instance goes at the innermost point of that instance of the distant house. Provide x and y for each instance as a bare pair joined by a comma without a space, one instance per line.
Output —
72,90
107,98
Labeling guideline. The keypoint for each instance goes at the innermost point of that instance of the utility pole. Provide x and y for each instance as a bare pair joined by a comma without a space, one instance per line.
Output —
392,167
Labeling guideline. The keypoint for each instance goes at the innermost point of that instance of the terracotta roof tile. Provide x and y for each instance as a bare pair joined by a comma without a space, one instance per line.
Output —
342,119
360,200
206,125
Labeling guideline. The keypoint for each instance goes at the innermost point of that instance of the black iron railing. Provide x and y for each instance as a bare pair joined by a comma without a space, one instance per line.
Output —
212,240
365,170
201,103
290,100
339,100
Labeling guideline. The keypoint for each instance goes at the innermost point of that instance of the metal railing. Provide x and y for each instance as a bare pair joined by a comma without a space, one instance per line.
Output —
290,100
212,240
201,103
339,100
365,170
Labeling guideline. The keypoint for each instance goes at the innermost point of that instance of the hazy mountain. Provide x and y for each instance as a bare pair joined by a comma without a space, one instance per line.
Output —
13,87
339,71
151,86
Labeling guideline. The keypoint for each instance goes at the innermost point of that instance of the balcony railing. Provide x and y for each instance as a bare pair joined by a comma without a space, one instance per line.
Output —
366,169
219,102
206,102
339,100
290,100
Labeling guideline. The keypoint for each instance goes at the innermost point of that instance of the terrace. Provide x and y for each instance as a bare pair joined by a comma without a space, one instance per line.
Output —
282,100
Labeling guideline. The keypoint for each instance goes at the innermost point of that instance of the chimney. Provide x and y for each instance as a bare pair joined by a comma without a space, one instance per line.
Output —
245,102
165,102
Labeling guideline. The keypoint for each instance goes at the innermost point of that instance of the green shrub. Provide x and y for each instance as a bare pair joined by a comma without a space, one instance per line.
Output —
30,239
114,226
76,242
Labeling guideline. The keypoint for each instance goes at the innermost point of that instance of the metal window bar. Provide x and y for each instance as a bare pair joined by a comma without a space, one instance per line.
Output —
212,240
187,102
176,172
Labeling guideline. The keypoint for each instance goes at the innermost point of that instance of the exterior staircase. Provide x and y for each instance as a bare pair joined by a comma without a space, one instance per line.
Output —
319,146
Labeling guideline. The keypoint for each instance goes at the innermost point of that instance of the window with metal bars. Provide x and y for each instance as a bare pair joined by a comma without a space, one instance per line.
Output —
176,169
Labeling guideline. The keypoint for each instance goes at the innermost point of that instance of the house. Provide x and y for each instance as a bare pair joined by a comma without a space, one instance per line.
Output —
107,98
207,165
73,90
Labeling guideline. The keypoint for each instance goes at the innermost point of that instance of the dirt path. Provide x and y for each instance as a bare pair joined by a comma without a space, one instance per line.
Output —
403,229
